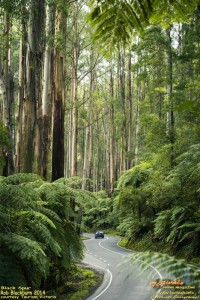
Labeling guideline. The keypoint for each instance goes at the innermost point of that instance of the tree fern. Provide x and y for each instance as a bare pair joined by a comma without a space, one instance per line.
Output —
34,228
168,265
26,249
177,225
135,176
116,20
164,12
19,178
74,182
163,224
45,236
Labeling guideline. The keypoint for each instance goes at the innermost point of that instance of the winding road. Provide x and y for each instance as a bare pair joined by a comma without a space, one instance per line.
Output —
120,277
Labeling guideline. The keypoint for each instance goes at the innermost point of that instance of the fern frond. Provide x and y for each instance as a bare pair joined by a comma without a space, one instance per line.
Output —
74,182
14,196
136,175
112,16
20,178
42,234
175,268
163,224
41,217
49,213
25,247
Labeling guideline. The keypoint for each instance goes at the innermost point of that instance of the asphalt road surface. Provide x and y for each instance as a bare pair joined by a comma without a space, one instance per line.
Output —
122,280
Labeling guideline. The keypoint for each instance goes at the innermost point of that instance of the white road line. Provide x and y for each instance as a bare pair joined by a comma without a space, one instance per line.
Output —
138,260
109,249
124,254
109,283
111,276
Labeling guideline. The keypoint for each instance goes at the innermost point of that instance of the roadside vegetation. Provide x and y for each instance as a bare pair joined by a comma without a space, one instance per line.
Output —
158,209
80,283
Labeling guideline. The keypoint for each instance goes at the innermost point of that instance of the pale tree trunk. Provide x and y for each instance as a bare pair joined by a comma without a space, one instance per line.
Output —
96,159
122,98
170,113
7,92
137,128
20,148
87,159
47,95
59,95
130,119
91,113
117,96
107,157
137,125
113,133
74,97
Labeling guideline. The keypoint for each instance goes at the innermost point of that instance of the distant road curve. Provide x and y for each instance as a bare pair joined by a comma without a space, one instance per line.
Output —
120,282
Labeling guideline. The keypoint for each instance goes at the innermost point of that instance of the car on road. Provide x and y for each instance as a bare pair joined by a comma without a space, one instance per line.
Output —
99,234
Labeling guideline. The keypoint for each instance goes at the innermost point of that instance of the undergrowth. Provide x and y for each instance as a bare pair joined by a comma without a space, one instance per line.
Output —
81,282
146,243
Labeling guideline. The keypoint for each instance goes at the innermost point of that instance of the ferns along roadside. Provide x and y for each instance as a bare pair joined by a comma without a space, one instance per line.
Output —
37,240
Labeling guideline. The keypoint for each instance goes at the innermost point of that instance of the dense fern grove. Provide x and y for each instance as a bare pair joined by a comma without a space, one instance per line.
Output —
100,129
38,241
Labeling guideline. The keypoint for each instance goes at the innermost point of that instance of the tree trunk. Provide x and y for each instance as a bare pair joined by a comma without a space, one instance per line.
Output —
130,120
30,85
47,96
137,125
170,113
122,99
113,133
7,91
20,147
74,96
59,93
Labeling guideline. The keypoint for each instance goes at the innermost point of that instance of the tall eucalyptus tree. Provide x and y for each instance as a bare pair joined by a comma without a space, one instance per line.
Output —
44,143
7,89
59,91
29,97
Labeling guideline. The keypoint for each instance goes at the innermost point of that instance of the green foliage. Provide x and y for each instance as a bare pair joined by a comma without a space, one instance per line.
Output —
4,136
80,282
5,143
116,21
135,176
180,227
172,11
163,224
97,213
168,265
164,202
35,231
